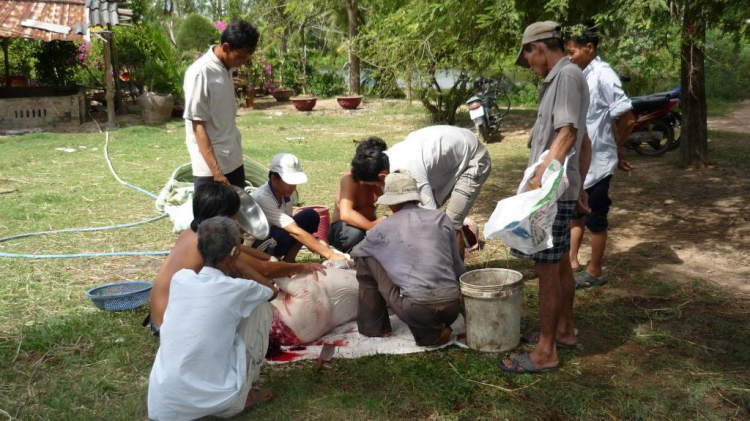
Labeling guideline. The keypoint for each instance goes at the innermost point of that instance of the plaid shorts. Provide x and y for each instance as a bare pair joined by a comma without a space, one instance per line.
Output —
566,210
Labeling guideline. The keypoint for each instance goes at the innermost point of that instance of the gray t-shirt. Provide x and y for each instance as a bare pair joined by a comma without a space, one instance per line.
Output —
563,101
418,249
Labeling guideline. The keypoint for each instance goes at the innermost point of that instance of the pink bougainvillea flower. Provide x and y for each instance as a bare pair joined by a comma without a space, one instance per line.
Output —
220,25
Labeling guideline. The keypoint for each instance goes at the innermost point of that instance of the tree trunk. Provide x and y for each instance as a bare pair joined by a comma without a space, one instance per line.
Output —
109,81
409,75
304,58
116,66
351,11
694,143
6,41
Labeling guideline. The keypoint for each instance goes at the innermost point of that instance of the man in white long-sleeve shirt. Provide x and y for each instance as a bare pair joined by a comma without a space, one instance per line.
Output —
449,164
609,122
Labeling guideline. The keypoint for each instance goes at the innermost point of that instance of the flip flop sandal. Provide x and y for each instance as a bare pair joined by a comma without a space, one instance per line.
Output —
523,361
533,339
587,280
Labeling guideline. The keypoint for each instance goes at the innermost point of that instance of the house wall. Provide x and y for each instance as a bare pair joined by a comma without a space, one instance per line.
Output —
42,112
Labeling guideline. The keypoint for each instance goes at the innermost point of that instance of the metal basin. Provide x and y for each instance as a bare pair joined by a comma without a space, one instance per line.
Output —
251,217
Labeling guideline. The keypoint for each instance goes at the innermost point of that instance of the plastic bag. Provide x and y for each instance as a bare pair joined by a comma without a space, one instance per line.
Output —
524,221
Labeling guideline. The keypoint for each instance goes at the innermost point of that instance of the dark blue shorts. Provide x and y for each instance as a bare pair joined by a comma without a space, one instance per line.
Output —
307,219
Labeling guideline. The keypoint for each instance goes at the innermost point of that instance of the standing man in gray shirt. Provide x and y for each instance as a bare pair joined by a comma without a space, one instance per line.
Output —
212,137
560,127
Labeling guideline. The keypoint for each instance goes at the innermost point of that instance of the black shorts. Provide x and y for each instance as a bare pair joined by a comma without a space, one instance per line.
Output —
566,210
236,178
599,202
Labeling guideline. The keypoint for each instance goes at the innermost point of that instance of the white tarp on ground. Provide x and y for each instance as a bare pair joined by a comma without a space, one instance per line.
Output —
350,344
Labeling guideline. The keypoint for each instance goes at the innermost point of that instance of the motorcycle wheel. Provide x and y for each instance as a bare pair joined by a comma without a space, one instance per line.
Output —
484,131
677,130
656,147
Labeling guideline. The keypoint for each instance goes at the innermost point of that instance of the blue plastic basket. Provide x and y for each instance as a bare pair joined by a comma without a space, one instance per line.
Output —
120,296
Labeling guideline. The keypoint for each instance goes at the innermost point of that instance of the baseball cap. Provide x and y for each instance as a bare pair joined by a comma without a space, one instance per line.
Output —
535,32
400,187
289,169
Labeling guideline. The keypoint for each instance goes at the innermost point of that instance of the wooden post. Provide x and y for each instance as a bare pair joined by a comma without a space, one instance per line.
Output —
6,41
116,66
109,81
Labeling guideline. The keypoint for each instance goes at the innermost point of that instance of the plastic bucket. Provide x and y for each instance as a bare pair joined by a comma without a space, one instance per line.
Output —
325,221
492,300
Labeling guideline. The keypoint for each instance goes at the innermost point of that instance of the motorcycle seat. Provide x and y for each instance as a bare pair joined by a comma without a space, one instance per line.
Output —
648,103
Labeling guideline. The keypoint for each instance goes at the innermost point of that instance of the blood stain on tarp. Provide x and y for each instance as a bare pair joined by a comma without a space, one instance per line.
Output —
298,348
285,356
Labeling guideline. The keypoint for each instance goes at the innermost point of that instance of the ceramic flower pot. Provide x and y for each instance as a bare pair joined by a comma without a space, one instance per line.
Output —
349,102
304,103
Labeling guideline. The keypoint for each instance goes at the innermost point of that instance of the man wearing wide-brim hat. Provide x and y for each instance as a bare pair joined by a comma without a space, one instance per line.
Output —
410,263
559,128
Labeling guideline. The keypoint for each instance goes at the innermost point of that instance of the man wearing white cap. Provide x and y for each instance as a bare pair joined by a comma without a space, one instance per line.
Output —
559,128
288,233
410,263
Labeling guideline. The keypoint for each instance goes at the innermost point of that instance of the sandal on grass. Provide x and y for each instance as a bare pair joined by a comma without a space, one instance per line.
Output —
586,280
533,339
522,364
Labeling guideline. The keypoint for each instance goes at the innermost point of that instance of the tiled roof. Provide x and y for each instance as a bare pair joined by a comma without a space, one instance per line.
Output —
79,15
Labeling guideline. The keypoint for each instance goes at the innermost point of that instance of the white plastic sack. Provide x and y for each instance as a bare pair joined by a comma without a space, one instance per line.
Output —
524,221
307,308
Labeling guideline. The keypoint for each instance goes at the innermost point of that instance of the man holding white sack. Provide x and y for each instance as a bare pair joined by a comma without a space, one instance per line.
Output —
559,128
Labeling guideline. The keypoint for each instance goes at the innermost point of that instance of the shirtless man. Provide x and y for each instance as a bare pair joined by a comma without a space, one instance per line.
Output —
355,208
210,201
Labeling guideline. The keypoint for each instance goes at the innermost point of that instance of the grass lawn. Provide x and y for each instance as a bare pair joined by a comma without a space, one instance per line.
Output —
651,349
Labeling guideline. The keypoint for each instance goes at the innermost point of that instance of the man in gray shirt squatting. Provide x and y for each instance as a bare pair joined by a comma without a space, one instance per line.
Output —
560,127
410,263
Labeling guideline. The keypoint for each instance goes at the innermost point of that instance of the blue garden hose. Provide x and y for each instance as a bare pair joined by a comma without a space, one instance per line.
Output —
106,228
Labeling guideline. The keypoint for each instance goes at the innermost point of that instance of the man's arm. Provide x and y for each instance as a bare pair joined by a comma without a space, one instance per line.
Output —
207,151
311,242
622,128
280,269
561,146
584,157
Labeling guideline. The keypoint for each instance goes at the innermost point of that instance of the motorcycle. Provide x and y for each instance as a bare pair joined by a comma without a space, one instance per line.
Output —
483,106
657,125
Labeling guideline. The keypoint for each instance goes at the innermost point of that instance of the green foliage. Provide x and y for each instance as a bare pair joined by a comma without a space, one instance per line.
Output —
727,67
22,56
524,94
326,84
196,33
165,70
289,73
381,83
55,63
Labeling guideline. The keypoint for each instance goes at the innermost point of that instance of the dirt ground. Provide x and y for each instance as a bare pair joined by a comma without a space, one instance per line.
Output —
680,224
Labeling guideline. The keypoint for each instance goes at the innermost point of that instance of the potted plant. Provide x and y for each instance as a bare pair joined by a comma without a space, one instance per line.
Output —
255,78
349,102
304,102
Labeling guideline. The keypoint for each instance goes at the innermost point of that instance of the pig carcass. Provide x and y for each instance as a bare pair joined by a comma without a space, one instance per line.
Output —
307,309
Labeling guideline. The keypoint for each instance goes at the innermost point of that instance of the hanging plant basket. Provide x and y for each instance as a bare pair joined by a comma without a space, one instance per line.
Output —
304,103
349,102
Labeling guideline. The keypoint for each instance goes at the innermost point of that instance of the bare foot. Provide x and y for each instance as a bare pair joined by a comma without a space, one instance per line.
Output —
444,337
258,396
